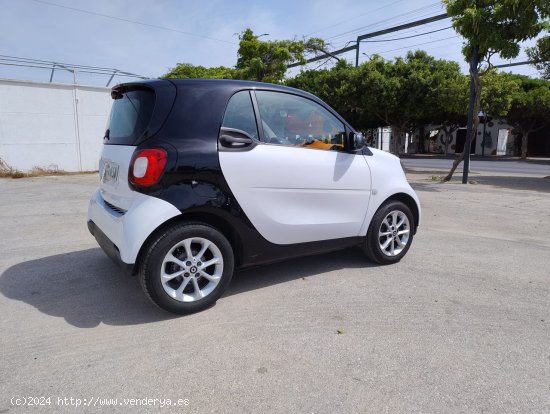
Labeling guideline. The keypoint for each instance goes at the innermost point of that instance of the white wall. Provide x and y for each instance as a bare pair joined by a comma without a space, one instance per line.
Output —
382,139
52,125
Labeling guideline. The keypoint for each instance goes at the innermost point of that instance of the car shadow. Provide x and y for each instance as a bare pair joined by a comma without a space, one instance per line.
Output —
304,267
86,288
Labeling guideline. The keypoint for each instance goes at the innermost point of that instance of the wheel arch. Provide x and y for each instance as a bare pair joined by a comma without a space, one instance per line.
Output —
210,219
409,202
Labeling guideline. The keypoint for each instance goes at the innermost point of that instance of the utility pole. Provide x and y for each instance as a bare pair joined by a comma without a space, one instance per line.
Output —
469,129
356,46
395,29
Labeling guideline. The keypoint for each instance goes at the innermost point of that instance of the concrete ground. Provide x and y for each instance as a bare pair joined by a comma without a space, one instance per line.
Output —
461,324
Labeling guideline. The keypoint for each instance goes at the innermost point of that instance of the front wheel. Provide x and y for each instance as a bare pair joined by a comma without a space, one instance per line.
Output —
390,233
187,267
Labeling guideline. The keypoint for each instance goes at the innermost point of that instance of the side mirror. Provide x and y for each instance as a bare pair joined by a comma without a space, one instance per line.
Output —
356,141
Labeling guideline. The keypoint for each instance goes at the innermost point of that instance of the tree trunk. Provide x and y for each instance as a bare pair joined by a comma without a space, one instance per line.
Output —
421,147
524,140
396,131
456,162
460,157
448,138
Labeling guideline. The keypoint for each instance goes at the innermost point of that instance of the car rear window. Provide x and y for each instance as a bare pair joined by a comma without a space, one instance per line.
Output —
130,115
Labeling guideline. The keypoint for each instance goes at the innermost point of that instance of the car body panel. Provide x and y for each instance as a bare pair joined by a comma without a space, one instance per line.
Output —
129,230
116,190
388,180
298,195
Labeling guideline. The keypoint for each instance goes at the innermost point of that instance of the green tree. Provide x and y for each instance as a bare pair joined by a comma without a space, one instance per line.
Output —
266,61
187,70
451,104
494,27
406,93
259,60
540,54
338,86
497,92
530,109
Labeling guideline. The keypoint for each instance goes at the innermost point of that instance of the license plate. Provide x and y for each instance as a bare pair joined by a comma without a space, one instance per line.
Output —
109,172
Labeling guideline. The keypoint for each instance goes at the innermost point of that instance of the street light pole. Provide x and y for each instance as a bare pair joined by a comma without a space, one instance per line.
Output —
483,140
469,129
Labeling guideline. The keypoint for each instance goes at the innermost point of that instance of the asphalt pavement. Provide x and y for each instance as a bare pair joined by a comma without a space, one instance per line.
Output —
532,167
461,324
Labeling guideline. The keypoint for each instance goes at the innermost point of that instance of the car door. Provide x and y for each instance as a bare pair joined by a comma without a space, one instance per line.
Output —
297,184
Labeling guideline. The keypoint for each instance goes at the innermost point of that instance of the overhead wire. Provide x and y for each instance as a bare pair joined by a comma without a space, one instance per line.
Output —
353,18
418,44
406,32
155,26
381,22
415,30
403,38
406,37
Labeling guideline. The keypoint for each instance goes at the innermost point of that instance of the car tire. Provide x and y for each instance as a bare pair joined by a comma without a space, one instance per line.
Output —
390,233
186,268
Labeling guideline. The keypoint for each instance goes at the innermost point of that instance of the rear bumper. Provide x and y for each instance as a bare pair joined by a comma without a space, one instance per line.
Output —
109,247
120,233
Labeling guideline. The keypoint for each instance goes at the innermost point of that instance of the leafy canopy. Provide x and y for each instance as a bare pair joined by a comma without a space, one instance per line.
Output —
403,93
498,90
530,107
540,54
187,70
497,26
257,59
266,61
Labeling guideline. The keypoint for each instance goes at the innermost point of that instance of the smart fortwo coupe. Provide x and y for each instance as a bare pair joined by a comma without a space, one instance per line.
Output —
201,177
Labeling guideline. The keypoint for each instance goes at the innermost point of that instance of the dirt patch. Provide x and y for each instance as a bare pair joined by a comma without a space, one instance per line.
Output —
7,171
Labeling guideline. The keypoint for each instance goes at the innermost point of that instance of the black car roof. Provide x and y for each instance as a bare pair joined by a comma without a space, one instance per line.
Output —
221,88
229,85
232,84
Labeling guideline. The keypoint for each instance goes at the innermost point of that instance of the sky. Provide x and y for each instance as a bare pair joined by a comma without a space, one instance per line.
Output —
104,33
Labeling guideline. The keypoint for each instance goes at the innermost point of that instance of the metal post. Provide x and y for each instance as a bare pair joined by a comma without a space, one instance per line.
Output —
357,52
53,70
483,140
370,35
111,78
469,129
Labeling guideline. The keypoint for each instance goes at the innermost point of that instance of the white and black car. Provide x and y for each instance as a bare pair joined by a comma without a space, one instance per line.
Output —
201,177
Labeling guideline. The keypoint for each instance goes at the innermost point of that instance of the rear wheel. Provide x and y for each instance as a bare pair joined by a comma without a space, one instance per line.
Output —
390,233
187,268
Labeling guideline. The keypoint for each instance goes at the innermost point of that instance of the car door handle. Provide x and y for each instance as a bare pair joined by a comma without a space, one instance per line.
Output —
235,140
232,142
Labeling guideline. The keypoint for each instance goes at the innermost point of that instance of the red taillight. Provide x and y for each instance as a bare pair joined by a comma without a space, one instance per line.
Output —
147,166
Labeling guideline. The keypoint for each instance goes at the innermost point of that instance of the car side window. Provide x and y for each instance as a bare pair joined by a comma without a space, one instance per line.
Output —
239,114
293,120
